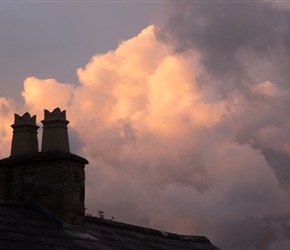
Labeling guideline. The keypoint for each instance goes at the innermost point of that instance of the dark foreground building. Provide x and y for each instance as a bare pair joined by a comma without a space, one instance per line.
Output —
42,199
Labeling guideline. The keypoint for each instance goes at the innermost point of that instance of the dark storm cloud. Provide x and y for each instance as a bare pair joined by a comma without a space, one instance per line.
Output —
230,37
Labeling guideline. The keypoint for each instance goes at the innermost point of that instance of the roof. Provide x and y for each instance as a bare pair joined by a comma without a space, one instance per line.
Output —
33,227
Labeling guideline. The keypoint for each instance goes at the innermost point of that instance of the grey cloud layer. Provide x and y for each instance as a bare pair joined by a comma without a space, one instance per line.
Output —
241,44
231,38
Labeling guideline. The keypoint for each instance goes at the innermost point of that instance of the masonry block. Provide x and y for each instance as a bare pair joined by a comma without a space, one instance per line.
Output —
54,178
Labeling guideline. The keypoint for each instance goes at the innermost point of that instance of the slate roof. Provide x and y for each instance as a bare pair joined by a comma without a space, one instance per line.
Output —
34,228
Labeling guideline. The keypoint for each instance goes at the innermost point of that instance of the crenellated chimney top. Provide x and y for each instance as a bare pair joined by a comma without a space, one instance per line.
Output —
24,140
55,136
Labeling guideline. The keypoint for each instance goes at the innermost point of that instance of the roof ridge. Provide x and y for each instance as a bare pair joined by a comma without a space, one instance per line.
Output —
135,228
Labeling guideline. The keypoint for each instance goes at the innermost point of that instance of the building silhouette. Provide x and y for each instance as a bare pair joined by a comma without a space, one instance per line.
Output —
42,198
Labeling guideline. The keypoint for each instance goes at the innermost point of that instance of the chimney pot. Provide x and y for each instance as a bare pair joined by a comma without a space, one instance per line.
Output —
55,135
24,140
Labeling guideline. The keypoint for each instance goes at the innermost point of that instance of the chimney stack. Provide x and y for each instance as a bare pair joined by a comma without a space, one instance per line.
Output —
55,136
24,140
54,178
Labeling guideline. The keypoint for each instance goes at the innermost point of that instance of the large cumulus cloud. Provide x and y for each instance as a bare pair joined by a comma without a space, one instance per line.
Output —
243,53
186,126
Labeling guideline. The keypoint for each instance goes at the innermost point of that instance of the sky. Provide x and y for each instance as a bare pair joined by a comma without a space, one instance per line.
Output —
181,107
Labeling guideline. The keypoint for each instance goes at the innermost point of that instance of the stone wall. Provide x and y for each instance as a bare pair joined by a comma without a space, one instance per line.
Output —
53,179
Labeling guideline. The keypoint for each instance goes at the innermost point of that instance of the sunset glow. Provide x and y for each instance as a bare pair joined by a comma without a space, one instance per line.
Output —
186,125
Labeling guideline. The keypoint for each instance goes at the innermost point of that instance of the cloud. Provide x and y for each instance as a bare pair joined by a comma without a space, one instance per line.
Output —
242,52
47,92
7,106
267,89
180,133
233,39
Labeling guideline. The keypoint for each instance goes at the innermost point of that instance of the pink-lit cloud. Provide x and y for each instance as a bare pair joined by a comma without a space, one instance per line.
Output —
7,107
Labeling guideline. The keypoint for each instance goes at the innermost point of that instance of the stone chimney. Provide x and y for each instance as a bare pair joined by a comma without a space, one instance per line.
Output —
53,178
24,140
55,136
